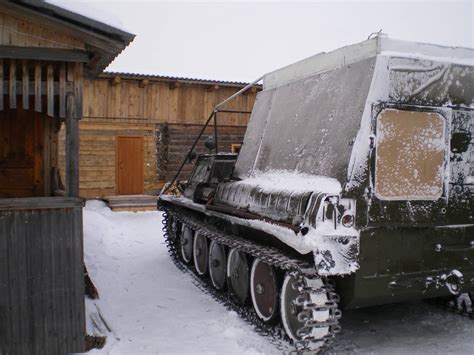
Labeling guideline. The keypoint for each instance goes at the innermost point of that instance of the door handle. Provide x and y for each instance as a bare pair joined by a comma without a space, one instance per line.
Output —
121,165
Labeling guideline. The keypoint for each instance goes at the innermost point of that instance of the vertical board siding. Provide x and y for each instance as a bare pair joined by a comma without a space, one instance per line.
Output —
15,31
128,101
41,280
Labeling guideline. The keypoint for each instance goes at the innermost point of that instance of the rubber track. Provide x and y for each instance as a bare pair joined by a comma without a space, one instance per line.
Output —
450,305
272,256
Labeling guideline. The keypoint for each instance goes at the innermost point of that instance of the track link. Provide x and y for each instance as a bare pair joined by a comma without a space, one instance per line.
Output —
452,304
301,270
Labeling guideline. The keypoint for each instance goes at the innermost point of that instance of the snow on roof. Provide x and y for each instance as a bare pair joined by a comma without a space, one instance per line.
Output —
434,52
89,11
380,45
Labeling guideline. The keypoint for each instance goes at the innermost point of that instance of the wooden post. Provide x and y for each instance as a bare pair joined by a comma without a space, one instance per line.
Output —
62,90
1,84
12,92
26,86
37,87
50,90
72,148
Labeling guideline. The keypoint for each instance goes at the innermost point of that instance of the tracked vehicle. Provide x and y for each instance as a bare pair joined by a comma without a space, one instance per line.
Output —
354,187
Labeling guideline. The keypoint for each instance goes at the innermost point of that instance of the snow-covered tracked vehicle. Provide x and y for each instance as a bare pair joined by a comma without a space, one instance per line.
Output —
354,187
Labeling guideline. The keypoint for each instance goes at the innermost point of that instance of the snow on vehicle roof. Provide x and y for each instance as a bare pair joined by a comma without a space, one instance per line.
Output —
380,45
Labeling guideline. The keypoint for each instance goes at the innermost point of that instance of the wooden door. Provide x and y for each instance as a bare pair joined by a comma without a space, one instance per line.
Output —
129,165
21,153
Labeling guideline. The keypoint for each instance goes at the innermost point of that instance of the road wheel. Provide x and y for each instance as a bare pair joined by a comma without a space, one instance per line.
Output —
238,275
264,290
200,252
217,265
186,242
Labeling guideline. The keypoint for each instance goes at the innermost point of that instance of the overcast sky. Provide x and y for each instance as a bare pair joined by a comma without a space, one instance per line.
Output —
242,40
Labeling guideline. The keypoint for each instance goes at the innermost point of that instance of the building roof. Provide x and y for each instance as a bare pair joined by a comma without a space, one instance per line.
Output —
105,39
184,80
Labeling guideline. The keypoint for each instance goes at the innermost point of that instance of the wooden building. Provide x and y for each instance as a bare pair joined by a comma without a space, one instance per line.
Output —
136,129
46,52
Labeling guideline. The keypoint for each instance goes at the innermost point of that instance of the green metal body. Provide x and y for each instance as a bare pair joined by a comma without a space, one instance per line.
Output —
325,124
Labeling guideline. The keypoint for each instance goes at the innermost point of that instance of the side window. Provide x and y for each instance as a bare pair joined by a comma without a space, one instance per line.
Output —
235,148
410,155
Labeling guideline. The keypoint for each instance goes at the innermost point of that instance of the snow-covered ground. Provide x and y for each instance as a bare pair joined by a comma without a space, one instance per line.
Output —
153,308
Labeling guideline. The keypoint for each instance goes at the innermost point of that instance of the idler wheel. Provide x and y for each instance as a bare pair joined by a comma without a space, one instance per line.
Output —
264,290
217,264
186,242
200,252
238,275
293,315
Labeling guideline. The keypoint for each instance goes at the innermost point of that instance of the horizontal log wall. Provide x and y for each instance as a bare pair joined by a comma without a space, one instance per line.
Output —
41,276
179,138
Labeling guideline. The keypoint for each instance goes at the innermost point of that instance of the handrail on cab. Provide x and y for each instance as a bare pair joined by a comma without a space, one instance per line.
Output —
211,116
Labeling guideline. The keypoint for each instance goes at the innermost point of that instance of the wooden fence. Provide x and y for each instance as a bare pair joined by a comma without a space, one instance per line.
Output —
41,276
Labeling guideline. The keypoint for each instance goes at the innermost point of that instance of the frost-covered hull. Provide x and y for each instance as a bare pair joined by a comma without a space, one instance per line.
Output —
392,123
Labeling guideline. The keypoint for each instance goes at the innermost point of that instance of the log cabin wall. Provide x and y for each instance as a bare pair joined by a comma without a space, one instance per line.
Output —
117,105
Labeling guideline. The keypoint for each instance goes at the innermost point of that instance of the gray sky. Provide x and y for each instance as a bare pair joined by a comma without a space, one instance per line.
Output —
242,40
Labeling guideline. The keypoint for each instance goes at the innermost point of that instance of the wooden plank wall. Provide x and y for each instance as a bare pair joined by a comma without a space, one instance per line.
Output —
98,156
15,31
41,276
121,107
131,101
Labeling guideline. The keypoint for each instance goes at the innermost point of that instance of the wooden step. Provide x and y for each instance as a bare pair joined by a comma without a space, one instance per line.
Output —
132,202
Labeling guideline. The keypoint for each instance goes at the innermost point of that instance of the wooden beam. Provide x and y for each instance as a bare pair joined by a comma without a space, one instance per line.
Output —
50,90
213,87
37,87
1,84
116,80
143,83
62,91
78,88
174,85
12,91
49,54
72,148
26,85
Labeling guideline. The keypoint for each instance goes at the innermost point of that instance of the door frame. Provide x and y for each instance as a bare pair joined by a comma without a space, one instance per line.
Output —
142,139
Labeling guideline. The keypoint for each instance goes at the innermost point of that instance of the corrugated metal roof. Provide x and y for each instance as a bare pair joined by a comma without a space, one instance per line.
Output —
165,78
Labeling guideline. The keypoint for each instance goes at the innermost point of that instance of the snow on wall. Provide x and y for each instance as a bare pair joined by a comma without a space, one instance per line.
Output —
410,81
427,82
